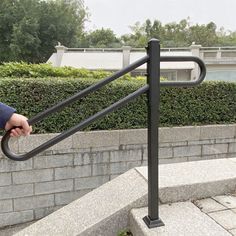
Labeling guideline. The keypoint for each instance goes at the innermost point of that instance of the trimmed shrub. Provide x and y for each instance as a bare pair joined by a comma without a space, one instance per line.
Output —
22,69
208,103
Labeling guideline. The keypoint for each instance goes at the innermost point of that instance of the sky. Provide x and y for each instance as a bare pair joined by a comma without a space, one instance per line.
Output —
118,15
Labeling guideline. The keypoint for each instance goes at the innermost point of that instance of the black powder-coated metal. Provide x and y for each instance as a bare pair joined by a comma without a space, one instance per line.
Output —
16,157
153,60
153,80
69,132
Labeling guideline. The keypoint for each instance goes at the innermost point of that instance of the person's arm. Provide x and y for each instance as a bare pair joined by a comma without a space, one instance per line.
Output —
5,114
10,119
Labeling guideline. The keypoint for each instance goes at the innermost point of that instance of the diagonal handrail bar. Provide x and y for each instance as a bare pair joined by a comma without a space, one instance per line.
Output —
72,130
88,90
16,157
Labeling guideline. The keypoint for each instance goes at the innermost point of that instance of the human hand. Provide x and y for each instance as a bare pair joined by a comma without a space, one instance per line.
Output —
19,121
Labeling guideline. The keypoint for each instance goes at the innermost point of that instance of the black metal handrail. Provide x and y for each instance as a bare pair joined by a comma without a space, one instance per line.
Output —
16,157
153,71
184,83
152,88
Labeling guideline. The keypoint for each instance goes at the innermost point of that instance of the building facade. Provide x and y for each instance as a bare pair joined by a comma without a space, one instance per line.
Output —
220,61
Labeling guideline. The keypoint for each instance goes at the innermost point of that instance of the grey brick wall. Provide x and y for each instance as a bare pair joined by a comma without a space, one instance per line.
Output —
31,189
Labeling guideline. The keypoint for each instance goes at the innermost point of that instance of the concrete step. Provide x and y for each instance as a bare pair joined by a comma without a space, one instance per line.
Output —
180,219
105,211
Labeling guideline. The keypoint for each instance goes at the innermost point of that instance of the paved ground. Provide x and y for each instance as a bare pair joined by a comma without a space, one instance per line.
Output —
222,209
215,216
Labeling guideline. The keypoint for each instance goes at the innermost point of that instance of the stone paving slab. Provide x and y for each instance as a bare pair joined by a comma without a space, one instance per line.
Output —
209,205
226,218
221,209
226,200
180,219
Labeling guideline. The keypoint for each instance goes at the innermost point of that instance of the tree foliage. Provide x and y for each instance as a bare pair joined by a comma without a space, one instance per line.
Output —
29,29
180,34
101,38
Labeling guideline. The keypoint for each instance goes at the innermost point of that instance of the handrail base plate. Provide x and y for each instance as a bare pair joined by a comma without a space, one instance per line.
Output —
153,223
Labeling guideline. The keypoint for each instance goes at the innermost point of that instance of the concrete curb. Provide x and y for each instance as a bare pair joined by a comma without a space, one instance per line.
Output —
195,180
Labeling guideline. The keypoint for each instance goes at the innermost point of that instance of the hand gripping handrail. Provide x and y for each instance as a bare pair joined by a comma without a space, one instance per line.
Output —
5,139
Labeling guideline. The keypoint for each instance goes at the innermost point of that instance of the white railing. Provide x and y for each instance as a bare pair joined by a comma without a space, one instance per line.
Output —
218,55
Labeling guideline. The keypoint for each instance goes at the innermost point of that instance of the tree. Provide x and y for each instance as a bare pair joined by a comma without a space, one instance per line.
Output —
204,35
29,29
138,36
7,20
148,28
101,38
25,42
60,21
180,34
156,30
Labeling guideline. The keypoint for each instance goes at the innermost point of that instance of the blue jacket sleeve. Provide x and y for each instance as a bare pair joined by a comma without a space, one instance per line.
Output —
5,114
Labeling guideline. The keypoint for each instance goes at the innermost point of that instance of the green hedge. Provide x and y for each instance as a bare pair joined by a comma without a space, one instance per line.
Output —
209,103
27,70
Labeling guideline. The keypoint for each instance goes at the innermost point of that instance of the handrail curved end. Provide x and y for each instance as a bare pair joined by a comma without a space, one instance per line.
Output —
6,150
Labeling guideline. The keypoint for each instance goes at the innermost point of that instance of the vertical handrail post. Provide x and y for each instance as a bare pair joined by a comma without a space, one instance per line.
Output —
153,79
